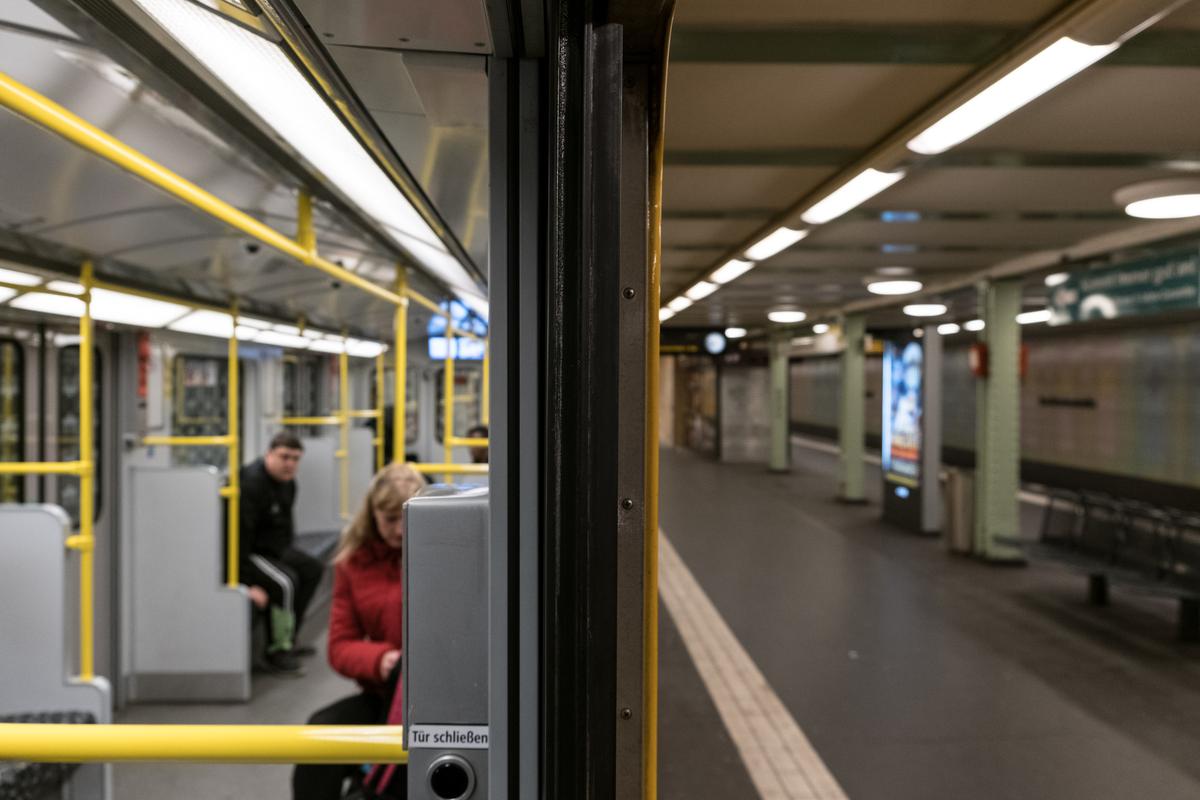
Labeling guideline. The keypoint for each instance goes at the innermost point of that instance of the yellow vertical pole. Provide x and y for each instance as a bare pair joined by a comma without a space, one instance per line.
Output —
400,378
344,412
306,235
87,484
485,413
379,454
234,491
448,401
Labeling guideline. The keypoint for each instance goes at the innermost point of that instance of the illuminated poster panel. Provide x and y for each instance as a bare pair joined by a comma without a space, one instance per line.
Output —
902,415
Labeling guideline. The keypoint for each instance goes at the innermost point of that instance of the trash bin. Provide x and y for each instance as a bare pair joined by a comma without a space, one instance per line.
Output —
959,497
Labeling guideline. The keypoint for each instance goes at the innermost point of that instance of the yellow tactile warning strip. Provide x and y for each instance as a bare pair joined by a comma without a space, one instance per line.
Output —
778,756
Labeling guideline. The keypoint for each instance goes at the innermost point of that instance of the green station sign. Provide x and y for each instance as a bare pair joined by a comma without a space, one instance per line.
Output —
1153,285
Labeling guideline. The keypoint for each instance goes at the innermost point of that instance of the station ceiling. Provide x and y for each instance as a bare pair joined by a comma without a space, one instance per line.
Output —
769,100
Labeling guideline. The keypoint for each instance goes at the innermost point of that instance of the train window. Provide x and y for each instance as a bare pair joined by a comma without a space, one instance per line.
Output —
12,417
467,388
199,407
301,391
68,426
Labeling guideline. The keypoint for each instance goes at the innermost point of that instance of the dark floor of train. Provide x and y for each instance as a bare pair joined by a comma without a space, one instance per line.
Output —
917,674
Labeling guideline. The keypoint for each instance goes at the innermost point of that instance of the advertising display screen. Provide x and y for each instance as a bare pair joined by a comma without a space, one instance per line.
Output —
902,401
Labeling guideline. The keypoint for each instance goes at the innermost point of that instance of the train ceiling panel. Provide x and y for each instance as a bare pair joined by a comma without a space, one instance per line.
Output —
432,108
767,96
790,12
730,106
456,26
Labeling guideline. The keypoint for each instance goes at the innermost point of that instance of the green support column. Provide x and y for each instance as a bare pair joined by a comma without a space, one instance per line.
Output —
997,425
780,452
850,417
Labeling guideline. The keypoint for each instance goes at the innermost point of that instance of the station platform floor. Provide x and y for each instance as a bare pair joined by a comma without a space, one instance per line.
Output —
914,673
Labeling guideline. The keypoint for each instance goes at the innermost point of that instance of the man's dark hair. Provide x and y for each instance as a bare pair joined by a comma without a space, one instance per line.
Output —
286,439
478,431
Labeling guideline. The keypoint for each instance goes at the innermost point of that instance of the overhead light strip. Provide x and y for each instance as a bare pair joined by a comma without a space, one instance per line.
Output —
261,75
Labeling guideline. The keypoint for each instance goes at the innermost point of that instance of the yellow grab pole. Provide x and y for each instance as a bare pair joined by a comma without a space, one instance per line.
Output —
306,234
234,491
400,378
469,441
332,420
186,441
87,482
221,744
451,469
42,468
43,111
485,411
379,454
448,402
344,449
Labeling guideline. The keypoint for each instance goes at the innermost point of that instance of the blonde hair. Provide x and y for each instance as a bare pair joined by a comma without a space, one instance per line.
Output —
390,489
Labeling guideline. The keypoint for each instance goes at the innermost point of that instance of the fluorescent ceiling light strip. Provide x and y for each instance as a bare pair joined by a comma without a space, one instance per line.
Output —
326,346
1174,206
731,270
974,325
774,243
283,340
258,72
948,328
859,189
129,309
894,287
361,348
784,316
1041,73
19,278
820,328
69,287
6,293
205,323
48,304
679,304
254,322
701,290
665,314
1033,317
735,333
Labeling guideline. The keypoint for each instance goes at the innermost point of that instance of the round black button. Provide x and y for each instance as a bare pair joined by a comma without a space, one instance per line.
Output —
449,780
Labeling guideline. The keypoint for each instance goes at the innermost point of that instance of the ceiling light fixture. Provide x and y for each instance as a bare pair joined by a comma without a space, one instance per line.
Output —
679,304
732,269
1171,198
1057,279
283,340
894,287
206,323
69,287
48,304
701,290
820,328
362,348
264,78
859,189
665,314
6,293
774,243
1041,73
974,325
925,310
948,328
735,333
130,309
19,278
785,316
1033,317
326,346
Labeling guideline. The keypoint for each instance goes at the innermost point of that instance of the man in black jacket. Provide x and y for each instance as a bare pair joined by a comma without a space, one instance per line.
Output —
281,578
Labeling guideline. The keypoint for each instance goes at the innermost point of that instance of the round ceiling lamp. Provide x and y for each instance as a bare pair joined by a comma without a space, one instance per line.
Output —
785,316
894,287
1170,198
925,310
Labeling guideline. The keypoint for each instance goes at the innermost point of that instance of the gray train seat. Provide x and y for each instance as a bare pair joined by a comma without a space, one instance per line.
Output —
38,596
318,484
188,633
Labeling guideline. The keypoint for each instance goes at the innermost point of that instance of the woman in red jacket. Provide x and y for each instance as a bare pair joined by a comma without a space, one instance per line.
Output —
365,621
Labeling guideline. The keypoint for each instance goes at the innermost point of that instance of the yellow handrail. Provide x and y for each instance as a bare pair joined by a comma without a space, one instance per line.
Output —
223,744
400,378
331,420
451,469
233,492
448,402
42,468
86,544
344,413
380,455
364,413
468,441
485,411
187,441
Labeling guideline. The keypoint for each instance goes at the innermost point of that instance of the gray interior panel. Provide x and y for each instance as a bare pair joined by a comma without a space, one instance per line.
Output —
190,633
318,482
34,671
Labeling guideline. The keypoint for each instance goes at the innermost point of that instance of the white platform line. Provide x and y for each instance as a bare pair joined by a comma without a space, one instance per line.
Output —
778,756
